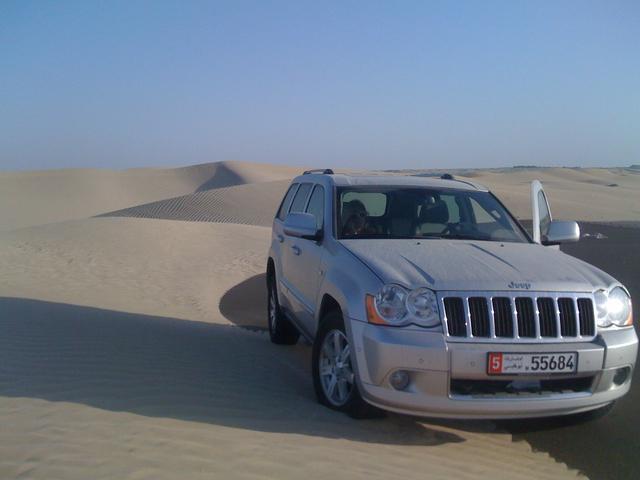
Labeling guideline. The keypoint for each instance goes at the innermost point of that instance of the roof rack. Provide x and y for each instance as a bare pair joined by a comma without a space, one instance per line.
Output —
324,171
447,176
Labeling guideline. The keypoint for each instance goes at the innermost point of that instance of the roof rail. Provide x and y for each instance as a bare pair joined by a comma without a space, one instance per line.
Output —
324,171
447,176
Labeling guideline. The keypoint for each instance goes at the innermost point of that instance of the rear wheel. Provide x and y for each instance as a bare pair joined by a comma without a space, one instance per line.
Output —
281,330
334,377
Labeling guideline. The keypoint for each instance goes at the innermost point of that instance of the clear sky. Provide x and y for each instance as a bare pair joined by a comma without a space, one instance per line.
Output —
395,84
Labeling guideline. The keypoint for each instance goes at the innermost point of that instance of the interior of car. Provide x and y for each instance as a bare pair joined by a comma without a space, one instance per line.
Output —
419,212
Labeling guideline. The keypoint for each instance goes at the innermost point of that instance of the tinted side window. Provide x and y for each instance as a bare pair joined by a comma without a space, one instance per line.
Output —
316,205
284,206
301,198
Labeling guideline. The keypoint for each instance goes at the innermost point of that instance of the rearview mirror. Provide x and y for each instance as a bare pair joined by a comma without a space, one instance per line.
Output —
301,225
561,232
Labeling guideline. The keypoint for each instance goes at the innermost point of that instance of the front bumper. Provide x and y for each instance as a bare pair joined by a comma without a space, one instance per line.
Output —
436,365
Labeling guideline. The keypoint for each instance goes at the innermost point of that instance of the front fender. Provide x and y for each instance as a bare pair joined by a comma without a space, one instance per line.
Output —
347,280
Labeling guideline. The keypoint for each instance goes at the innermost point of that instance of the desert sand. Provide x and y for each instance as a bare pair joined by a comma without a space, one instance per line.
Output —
133,343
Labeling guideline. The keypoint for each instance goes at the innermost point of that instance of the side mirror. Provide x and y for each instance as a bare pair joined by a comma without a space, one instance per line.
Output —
301,225
561,232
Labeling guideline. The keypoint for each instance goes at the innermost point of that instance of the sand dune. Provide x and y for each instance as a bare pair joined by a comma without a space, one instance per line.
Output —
33,198
132,345
253,204
121,356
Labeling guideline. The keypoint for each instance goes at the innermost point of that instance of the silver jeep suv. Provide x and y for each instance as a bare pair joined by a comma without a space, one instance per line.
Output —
425,296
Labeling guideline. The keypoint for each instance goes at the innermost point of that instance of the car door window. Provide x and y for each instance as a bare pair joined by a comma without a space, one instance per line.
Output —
316,205
300,199
284,206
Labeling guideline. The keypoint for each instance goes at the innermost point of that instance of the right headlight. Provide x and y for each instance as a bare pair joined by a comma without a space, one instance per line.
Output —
613,307
423,306
396,306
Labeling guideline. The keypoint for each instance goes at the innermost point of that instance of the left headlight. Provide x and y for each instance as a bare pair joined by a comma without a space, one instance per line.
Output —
396,306
613,307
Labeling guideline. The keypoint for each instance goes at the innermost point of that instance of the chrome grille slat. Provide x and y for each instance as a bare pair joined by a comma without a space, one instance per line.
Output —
556,313
517,317
492,319
536,318
467,316
576,313
514,318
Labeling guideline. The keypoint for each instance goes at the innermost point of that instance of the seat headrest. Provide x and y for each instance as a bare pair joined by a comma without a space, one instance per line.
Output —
434,212
353,207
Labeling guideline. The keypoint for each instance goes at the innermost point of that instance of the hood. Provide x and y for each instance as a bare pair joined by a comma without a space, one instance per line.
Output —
442,264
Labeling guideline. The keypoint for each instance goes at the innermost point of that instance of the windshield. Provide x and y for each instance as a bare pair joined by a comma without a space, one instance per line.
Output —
410,212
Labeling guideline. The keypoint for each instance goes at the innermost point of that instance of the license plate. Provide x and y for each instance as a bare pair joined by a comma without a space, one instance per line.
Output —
531,363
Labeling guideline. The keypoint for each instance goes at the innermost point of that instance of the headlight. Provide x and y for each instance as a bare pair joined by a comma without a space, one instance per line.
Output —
394,305
423,305
613,308
390,304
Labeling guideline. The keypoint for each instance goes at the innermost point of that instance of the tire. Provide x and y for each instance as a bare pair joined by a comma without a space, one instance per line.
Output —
281,330
334,378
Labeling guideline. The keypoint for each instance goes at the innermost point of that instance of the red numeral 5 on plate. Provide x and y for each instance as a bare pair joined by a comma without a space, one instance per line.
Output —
495,363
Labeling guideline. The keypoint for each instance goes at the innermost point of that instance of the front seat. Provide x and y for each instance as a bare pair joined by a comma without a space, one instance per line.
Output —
402,212
433,218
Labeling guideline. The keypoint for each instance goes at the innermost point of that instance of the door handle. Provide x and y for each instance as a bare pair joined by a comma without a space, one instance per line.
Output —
296,250
280,238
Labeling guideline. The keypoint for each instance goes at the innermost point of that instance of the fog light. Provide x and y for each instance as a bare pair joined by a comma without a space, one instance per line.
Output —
399,379
621,376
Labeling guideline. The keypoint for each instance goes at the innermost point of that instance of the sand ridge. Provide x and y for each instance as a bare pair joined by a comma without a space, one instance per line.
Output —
252,204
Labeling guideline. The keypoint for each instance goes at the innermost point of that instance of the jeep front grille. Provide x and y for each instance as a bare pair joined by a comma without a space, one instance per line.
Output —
523,317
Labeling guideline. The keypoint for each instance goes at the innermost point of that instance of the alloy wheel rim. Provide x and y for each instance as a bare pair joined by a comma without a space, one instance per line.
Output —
336,372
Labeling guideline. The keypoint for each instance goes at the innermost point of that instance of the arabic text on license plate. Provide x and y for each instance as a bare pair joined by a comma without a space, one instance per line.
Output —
531,363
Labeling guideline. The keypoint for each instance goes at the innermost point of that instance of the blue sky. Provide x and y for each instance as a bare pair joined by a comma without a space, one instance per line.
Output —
397,84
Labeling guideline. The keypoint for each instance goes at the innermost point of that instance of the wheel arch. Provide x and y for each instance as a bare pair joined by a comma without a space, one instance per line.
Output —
328,304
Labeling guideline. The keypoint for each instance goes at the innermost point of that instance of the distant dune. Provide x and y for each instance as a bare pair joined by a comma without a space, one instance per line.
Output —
587,194
37,197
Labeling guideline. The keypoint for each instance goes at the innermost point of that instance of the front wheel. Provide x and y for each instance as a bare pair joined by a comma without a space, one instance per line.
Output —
334,377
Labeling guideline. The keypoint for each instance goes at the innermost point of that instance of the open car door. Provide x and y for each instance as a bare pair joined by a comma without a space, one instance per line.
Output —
546,230
541,213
